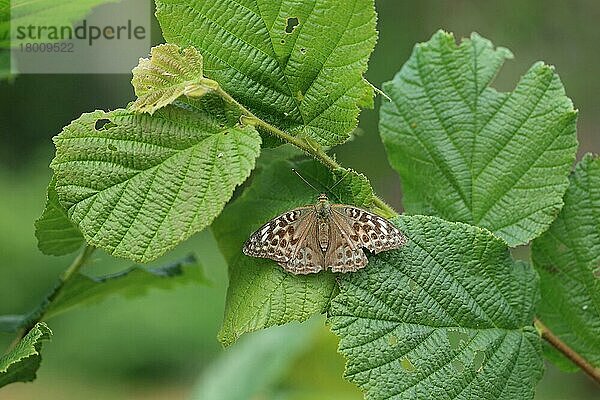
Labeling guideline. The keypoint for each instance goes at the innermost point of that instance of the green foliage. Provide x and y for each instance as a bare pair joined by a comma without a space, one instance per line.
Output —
297,65
137,185
260,293
132,282
274,350
450,314
468,153
4,24
55,232
82,289
446,316
567,258
169,73
21,363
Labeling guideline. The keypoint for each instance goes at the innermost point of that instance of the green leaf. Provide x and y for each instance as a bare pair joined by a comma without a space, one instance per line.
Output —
22,362
261,293
5,24
132,282
296,64
83,289
449,315
466,152
55,232
274,349
169,73
137,185
567,258
5,56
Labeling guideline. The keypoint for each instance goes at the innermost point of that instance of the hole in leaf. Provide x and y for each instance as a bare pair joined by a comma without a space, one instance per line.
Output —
303,50
407,365
478,359
282,41
413,285
292,23
101,124
457,338
458,366
392,340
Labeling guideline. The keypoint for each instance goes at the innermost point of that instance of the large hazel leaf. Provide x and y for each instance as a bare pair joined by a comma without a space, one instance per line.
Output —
55,232
22,362
296,64
137,185
261,293
468,153
567,258
447,316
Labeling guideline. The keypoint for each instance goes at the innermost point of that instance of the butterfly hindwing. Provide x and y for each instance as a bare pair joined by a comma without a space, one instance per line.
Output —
343,255
307,257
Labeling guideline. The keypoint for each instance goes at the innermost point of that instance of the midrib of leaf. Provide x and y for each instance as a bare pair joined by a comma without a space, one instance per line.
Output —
438,161
283,67
322,65
464,196
485,211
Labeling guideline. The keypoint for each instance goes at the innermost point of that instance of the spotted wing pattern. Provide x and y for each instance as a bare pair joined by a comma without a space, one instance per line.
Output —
302,242
343,254
290,240
366,229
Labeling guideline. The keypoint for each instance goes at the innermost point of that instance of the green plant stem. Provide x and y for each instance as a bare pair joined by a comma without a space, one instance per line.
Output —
40,312
314,150
567,351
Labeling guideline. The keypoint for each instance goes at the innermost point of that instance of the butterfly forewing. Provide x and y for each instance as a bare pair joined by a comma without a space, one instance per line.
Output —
277,238
289,240
366,229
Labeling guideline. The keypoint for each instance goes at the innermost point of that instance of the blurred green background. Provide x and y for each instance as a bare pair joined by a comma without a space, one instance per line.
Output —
164,346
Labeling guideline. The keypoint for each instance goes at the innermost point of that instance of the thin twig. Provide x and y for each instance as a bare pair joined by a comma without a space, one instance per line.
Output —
40,312
567,351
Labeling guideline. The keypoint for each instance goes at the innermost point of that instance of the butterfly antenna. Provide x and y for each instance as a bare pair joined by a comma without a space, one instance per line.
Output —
339,181
305,181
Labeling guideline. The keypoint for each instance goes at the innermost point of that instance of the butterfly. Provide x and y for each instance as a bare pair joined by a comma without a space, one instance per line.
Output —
323,236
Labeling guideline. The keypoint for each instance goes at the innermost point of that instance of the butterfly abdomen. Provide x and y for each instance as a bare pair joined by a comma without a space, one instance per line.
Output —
323,234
